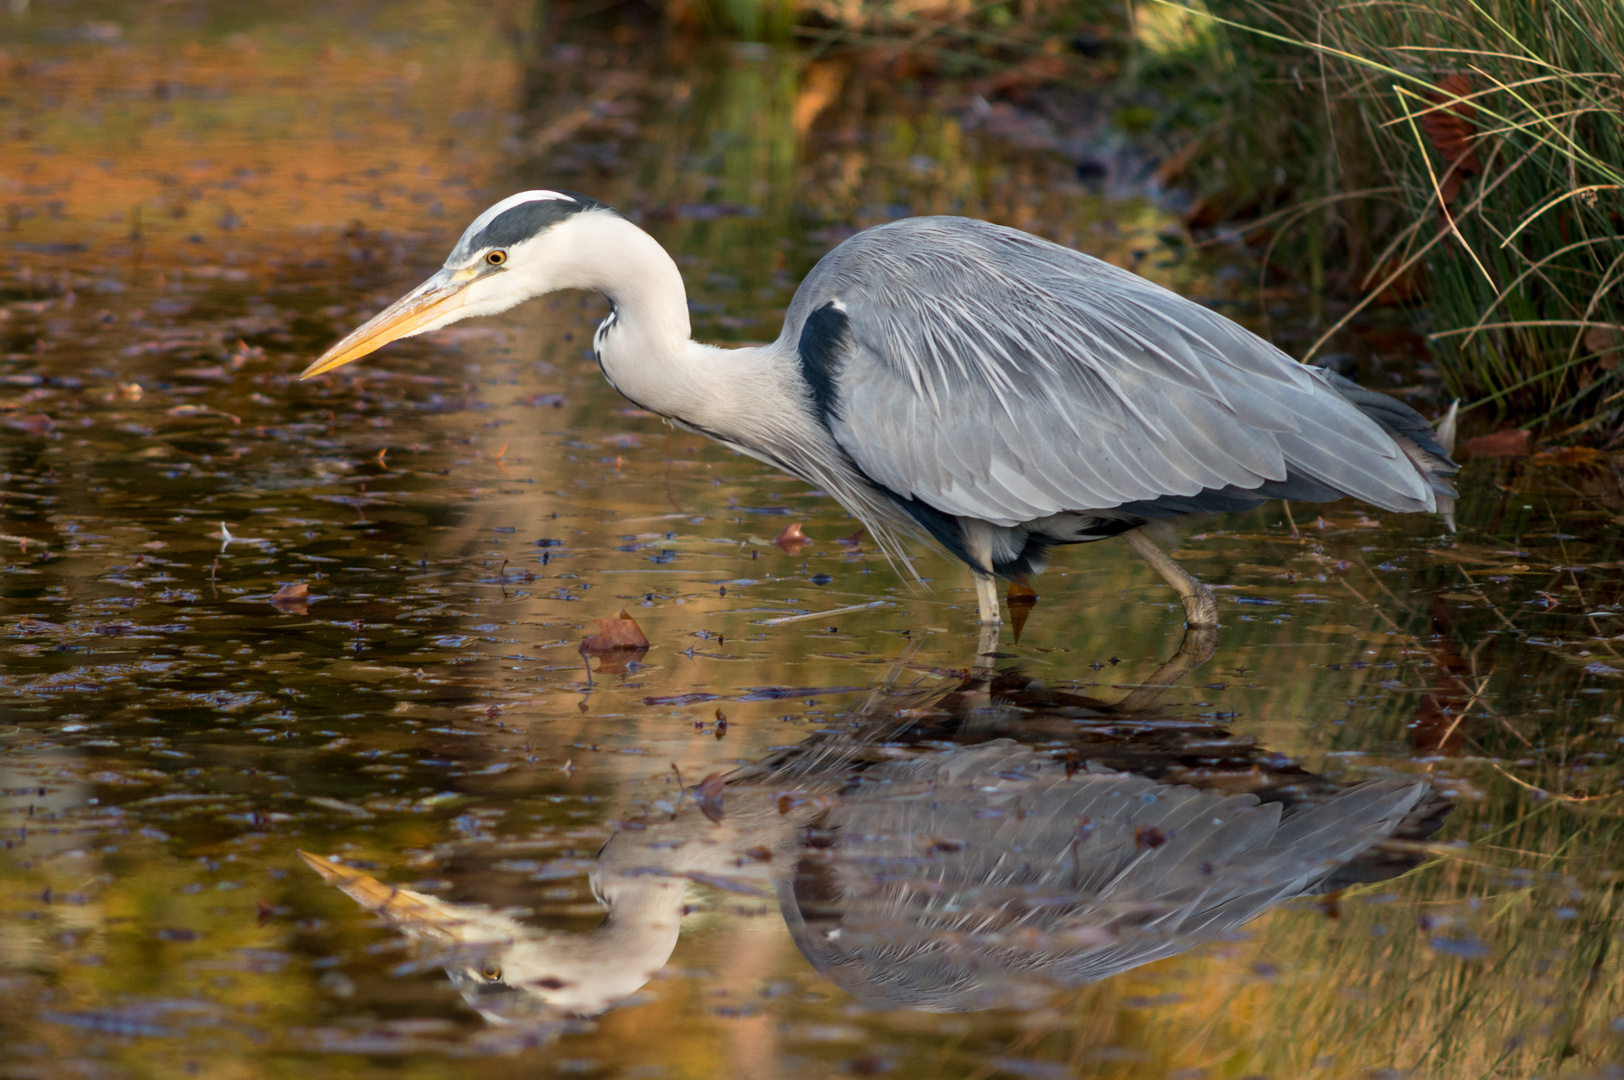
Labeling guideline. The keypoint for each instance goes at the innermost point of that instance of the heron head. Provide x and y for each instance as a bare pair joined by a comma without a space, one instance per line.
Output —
526,245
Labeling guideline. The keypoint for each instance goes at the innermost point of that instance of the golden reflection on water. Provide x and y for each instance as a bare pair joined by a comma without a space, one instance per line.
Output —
197,200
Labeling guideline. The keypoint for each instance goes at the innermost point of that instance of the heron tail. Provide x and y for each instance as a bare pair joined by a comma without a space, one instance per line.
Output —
1410,430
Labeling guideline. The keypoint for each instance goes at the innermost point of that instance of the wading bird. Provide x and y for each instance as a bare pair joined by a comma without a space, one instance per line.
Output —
954,378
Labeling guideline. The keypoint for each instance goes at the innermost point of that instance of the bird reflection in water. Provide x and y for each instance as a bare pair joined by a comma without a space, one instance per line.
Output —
952,850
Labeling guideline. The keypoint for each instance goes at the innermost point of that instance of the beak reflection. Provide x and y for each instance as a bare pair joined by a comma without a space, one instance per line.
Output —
439,296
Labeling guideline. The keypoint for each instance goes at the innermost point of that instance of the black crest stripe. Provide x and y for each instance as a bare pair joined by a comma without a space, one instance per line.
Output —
521,222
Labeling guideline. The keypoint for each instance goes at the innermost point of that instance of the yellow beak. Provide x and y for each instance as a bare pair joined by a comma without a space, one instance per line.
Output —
439,296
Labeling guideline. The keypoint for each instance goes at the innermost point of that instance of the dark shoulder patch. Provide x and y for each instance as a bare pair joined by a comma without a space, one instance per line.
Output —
825,341
528,219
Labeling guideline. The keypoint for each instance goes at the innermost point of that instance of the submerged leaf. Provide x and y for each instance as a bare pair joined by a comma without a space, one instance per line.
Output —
1511,442
614,635
35,424
292,598
792,539
1567,456
708,796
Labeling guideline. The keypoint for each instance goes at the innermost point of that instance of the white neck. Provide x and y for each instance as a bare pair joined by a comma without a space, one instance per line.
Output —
626,264
752,398
644,345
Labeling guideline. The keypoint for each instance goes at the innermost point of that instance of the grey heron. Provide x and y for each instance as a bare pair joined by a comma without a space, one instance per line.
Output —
951,378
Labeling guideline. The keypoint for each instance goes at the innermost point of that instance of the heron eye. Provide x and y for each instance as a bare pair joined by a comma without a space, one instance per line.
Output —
496,258
491,971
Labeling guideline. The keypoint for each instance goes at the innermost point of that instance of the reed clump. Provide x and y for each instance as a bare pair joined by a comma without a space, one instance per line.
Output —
1468,157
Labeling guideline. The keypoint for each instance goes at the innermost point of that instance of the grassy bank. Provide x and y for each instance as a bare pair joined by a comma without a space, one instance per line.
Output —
1467,158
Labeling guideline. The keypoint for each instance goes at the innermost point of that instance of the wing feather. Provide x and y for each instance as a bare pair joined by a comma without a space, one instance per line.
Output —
995,375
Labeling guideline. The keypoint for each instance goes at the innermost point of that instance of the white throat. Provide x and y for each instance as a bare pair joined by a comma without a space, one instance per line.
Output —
644,345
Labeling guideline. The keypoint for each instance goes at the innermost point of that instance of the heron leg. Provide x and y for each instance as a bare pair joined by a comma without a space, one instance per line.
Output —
987,646
991,623
1200,609
987,599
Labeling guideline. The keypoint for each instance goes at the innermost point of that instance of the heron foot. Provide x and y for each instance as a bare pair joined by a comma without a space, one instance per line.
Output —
1200,609
992,622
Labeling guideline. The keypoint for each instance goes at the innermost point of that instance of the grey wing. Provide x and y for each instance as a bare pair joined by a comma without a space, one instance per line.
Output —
997,376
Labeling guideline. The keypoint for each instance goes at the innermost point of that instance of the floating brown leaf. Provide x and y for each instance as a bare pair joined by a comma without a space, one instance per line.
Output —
1567,456
792,539
1512,442
293,598
1449,187
184,411
621,633
708,796
855,540
36,424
